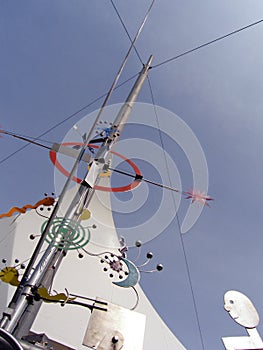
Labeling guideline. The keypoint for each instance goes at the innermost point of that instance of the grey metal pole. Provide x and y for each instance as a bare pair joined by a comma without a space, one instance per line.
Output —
53,256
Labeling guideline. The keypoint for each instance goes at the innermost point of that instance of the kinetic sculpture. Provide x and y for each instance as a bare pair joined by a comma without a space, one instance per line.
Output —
241,309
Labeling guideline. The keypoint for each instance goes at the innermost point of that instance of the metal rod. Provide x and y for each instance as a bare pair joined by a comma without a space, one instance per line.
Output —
53,256
141,178
69,179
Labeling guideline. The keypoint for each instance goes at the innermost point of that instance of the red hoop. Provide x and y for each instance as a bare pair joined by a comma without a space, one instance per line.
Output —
131,186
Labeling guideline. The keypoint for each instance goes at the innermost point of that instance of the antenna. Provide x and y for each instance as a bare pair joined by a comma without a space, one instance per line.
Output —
21,312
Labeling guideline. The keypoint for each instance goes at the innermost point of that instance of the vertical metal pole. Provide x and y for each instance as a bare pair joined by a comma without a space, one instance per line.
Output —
22,310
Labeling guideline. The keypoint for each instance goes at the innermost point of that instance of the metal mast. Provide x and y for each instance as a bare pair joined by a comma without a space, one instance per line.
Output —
22,310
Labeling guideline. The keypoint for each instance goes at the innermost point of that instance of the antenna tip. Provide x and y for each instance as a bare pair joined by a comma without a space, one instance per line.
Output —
159,267
138,244
115,339
149,255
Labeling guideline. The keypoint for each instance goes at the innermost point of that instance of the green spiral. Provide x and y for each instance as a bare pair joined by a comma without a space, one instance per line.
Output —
66,234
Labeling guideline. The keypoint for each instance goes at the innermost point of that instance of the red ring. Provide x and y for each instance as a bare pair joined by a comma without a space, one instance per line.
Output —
131,186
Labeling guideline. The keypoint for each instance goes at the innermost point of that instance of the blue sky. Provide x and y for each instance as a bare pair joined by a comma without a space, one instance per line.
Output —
57,57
